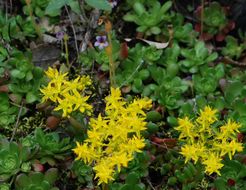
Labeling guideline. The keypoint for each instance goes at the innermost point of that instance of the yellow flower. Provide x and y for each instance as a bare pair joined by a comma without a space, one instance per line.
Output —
133,145
55,74
104,172
50,93
84,81
186,127
212,163
194,152
67,94
235,147
208,143
207,116
230,129
114,103
84,152
120,160
72,87
66,106
229,148
98,123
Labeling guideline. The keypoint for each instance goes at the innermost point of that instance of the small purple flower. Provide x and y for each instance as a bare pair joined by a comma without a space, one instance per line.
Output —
113,3
101,42
60,35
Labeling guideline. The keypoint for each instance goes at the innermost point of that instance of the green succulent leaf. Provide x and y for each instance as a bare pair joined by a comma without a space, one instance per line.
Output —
51,175
22,180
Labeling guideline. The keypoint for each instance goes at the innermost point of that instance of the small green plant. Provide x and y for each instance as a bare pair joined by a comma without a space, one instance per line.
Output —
190,176
155,14
195,57
37,7
233,49
8,113
214,22
83,172
47,145
16,28
207,81
169,93
25,78
170,89
12,157
37,180
184,33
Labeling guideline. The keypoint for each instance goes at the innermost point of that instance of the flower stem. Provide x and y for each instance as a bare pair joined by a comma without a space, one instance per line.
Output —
111,62
109,51
105,186
65,38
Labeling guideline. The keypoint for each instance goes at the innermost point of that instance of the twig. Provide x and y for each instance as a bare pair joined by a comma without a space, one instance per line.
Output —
230,61
17,105
202,17
150,184
162,146
17,122
73,29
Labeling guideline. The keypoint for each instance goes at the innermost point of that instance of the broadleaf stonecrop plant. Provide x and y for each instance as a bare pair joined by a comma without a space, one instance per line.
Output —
114,138
68,95
203,141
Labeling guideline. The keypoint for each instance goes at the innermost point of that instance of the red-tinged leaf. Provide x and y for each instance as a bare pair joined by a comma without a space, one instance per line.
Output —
4,88
37,167
198,27
220,37
123,50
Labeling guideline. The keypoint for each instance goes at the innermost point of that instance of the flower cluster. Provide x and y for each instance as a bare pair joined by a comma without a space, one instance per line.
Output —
68,95
113,139
207,143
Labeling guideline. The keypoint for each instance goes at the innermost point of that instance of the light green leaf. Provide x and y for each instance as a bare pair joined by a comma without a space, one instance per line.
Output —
30,97
99,4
